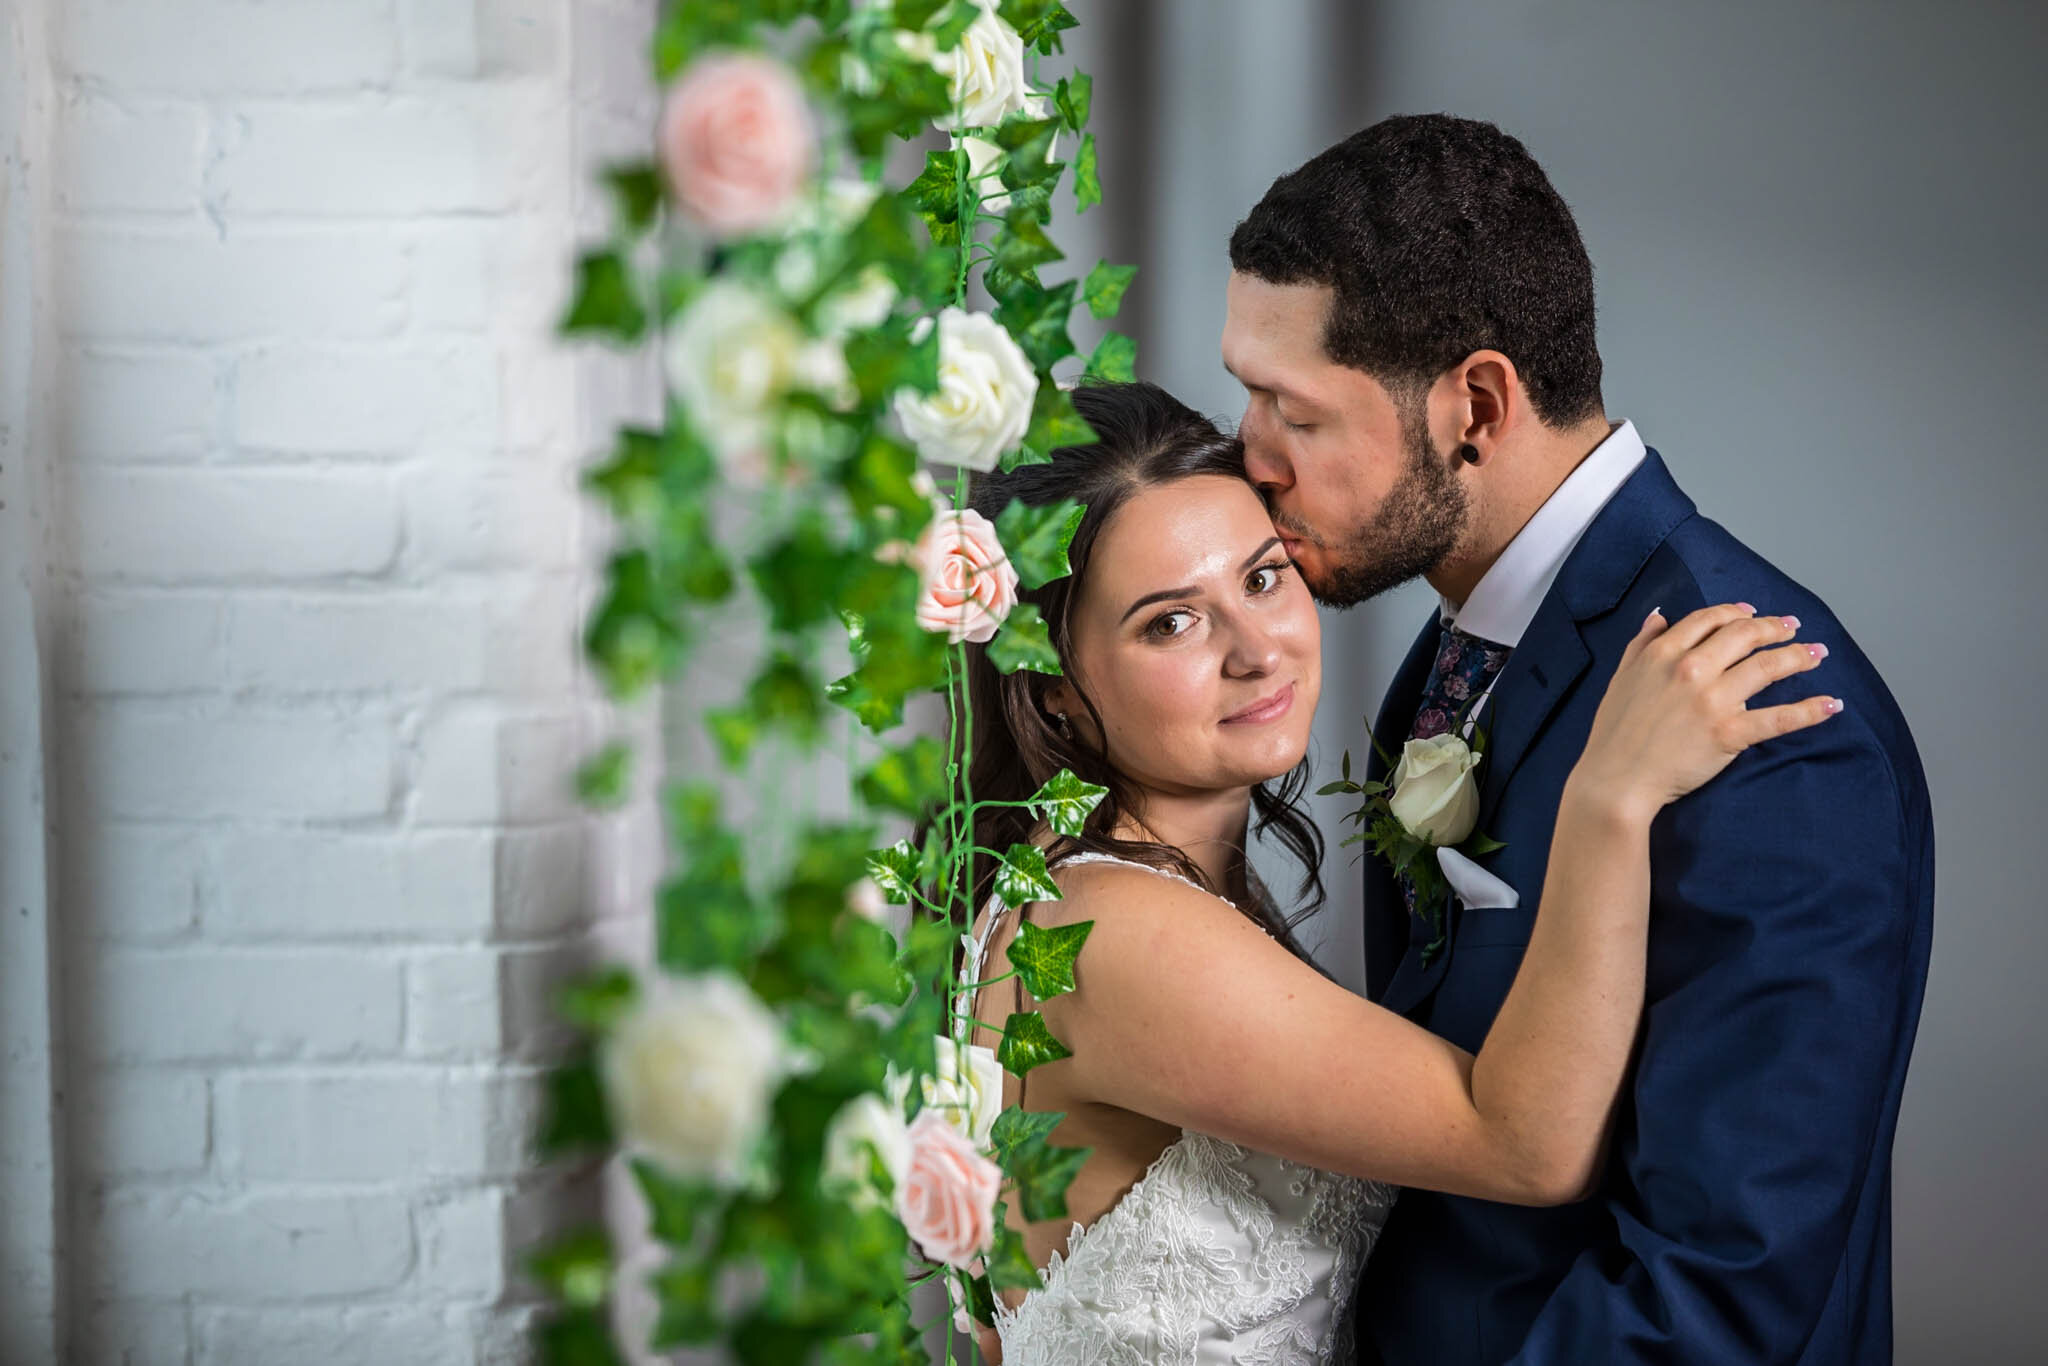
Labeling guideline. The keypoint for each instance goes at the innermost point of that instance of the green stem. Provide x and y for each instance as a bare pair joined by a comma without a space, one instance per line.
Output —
966,987
979,1024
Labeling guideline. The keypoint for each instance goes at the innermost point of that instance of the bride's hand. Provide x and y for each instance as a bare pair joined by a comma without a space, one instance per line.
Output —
1676,711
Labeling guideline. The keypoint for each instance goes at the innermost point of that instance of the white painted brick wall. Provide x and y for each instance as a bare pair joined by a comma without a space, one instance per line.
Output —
322,564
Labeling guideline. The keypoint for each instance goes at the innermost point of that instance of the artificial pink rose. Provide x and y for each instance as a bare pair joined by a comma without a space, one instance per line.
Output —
969,586
948,1197
737,142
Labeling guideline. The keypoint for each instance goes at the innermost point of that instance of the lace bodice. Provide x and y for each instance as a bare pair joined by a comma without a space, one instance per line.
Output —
1218,1254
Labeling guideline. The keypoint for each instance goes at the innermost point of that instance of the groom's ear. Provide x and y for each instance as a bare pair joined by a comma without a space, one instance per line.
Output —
1485,395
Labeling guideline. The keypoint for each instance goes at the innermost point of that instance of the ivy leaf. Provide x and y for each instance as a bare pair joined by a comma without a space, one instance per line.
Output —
1072,97
981,1300
936,192
1022,245
1056,422
573,1112
1036,538
595,1002
1115,358
1043,1174
605,779
1065,802
1024,643
1104,288
797,577
687,1294
895,871
887,358
1037,318
1009,1265
636,193
915,14
1087,180
576,1268
1027,1043
909,779
1022,878
1044,958
605,304
1017,1129
958,17
673,1206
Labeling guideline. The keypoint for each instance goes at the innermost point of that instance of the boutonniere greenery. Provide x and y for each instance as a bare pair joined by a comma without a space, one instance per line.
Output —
1429,801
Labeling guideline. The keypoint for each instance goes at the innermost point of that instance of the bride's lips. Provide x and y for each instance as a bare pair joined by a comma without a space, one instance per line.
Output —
1265,709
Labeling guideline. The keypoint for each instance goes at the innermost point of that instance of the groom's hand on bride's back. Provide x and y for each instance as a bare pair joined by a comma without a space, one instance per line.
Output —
1676,711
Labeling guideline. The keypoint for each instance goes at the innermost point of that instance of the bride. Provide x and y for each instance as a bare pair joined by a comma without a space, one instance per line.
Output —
1250,1119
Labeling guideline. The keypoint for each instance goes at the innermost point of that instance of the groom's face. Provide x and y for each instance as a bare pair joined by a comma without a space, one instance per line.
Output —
1354,482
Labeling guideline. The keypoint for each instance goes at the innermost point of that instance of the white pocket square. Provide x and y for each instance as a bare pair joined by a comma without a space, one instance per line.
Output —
1473,884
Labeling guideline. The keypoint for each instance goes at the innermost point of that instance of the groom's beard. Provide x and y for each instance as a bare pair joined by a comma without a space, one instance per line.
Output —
1415,528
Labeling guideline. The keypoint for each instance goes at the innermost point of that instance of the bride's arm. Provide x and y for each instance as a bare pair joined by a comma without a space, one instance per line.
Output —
1186,1012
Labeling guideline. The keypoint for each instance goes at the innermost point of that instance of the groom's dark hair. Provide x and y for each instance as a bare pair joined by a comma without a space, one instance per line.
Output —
1438,237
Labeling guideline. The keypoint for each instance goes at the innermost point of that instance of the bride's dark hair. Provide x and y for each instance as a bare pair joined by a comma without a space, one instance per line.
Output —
1146,438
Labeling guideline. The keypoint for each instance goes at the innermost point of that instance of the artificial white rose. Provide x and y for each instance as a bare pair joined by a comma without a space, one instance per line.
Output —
690,1073
732,357
967,1088
866,1131
985,76
864,303
1436,792
982,406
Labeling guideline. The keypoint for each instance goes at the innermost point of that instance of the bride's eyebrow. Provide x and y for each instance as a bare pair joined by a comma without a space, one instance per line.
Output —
1191,591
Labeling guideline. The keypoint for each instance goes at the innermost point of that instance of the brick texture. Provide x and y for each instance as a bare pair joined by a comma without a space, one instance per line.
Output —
320,568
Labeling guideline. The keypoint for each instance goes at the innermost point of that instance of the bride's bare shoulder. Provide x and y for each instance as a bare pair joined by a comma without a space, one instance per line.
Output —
1134,905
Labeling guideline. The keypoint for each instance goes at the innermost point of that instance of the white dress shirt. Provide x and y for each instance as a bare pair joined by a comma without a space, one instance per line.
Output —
1505,600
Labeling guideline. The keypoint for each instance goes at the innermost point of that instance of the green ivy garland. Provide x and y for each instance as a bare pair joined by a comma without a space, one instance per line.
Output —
766,1083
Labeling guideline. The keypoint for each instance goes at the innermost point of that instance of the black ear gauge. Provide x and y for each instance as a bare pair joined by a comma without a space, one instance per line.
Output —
1469,453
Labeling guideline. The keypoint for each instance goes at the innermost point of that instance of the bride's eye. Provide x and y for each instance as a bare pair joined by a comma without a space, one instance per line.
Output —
1266,578
1161,627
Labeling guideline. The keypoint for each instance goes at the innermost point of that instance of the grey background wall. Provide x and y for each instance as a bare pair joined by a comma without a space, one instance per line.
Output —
1816,232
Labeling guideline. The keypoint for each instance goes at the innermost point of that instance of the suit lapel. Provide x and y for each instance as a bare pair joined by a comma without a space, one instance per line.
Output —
1386,918
1548,663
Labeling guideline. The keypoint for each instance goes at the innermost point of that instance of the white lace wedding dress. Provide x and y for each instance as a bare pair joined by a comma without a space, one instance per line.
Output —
1218,1254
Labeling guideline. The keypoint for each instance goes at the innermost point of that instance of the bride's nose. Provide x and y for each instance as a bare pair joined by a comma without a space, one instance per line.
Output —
1253,651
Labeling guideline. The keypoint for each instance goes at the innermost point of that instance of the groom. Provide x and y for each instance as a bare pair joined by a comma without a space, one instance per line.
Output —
1411,315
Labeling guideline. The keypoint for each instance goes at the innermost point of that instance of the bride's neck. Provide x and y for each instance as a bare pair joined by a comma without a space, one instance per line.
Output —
1208,827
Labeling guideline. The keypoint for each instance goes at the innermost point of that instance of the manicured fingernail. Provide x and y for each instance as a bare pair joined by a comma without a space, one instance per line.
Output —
1817,651
1747,608
1834,705
1791,623
1655,612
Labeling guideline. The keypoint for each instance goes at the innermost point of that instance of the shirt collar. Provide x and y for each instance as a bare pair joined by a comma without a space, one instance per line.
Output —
1506,598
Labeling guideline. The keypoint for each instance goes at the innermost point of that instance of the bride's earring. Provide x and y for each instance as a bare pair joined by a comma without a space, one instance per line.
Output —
1059,720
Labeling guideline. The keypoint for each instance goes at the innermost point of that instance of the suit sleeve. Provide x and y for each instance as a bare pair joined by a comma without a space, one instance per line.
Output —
1783,908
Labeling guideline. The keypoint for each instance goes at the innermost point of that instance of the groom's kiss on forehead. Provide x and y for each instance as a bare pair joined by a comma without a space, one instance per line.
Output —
1419,366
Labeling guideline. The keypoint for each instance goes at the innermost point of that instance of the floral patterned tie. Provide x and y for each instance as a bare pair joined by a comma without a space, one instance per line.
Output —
1465,667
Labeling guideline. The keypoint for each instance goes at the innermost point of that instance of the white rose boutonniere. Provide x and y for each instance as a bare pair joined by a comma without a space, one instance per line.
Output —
1430,801
1435,789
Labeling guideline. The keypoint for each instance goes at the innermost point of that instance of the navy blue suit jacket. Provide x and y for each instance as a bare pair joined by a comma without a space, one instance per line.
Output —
1745,1211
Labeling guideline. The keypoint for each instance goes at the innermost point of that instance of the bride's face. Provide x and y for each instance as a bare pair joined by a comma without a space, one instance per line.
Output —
1196,640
